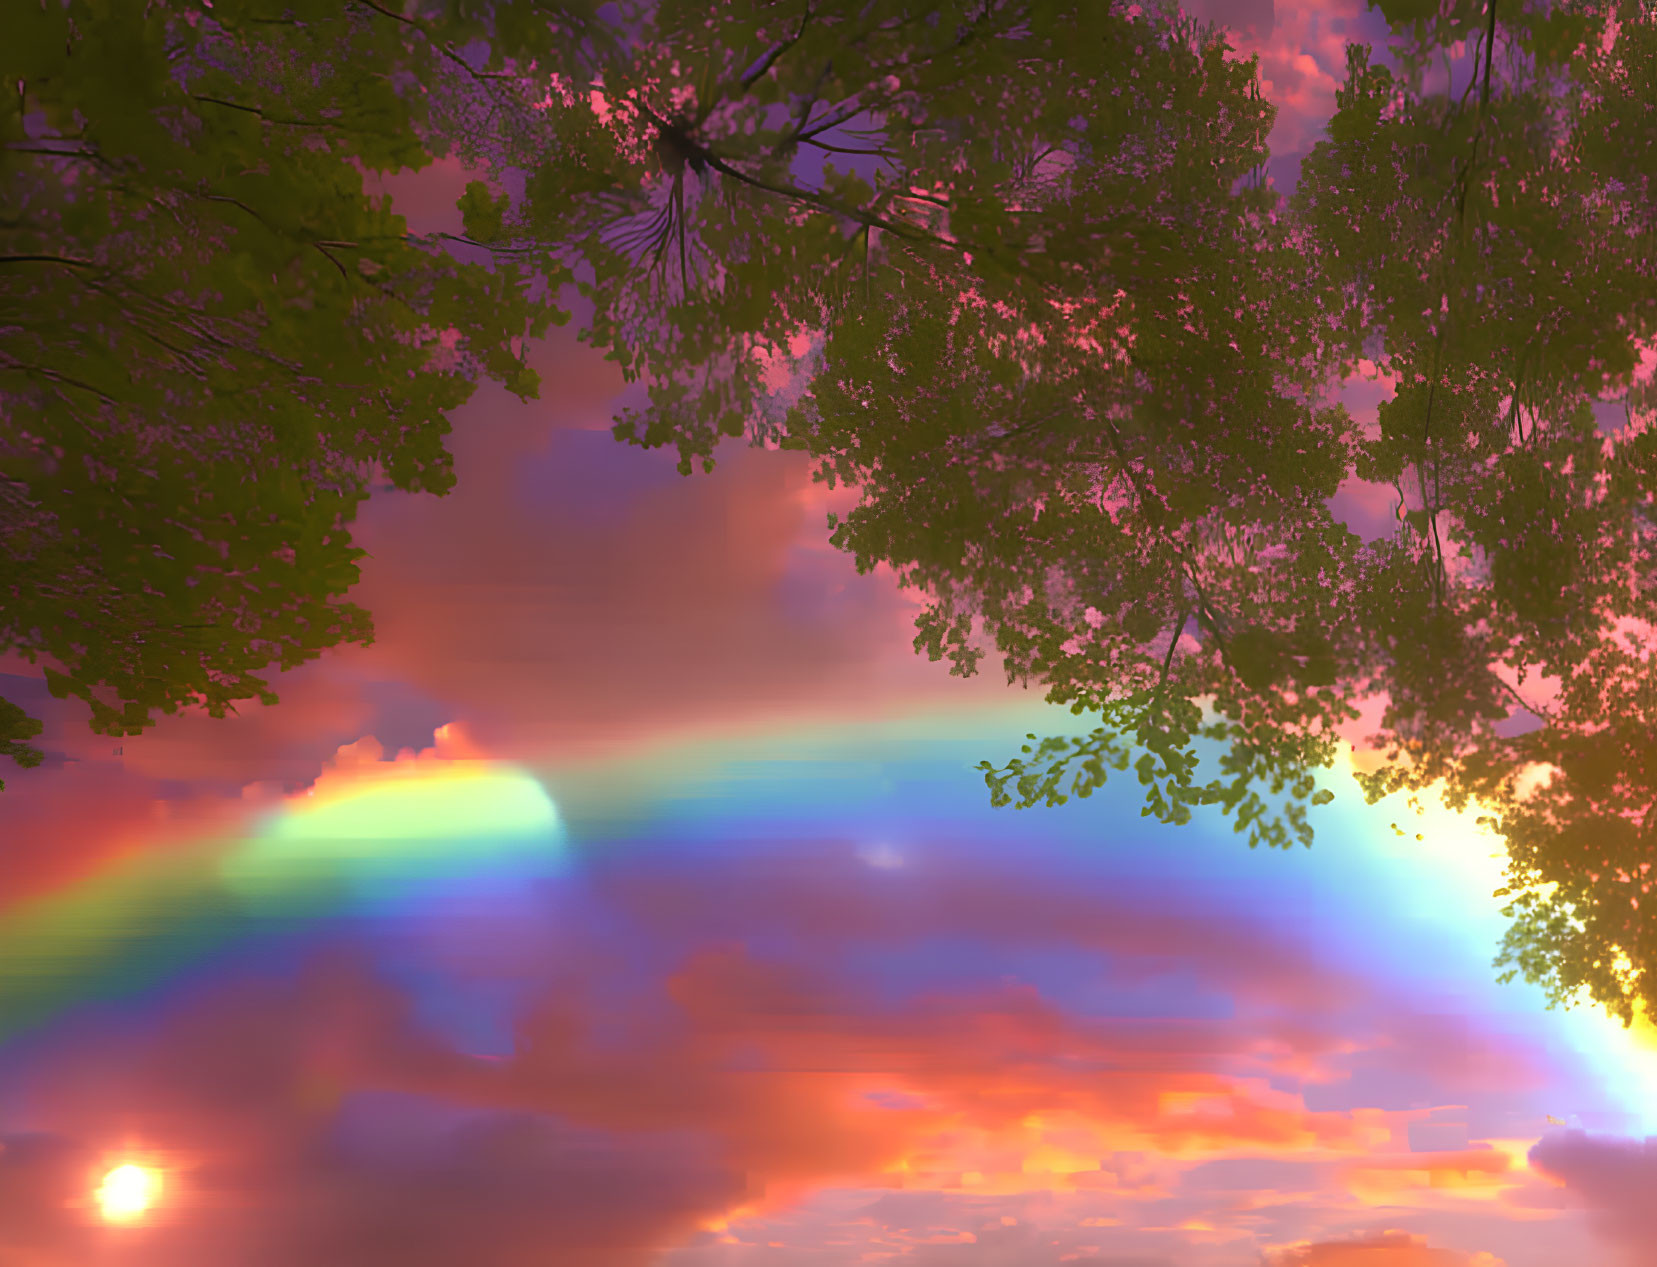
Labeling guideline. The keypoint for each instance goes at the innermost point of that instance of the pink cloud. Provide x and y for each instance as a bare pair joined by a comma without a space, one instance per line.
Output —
319,709
551,627
314,1120
236,1095
64,824
249,1095
1302,51
1614,1178
426,198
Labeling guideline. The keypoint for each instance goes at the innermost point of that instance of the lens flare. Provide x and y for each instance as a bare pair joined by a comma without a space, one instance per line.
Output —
127,1192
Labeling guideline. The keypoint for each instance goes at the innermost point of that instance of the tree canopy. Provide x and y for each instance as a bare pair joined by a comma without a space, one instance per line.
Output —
1494,242
214,335
1008,269
1023,258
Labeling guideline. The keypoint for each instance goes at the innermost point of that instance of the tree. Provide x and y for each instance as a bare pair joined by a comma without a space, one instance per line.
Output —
16,728
955,220
214,336
1072,356
1495,250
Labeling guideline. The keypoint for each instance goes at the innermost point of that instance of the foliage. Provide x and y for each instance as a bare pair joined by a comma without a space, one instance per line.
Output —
1050,325
1003,267
1493,251
16,727
214,335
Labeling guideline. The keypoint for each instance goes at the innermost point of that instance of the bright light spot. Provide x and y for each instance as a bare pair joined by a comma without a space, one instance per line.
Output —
400,823
127,1192
402,805
882,856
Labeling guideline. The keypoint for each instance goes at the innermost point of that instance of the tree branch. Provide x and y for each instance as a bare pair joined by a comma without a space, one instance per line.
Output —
53,376
65,260
860,215
1489,48
1168,660
842,149
444,49
1535,710
757,72
268,118
1152,514
828,122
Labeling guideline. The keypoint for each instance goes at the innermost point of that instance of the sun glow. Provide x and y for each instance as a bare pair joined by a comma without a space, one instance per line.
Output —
128,1192
1468,864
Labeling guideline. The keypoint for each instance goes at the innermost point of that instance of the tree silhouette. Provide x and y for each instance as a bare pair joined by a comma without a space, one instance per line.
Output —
213,336
1031,301
1493,244
1051,324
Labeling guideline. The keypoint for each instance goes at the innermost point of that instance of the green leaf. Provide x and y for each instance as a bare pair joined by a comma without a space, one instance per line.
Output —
481,213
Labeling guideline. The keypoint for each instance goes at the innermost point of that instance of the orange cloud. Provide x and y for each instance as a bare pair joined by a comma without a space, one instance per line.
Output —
1425,1178
1384,1249
320,708
758,1079
67,823
997,1091
734,1085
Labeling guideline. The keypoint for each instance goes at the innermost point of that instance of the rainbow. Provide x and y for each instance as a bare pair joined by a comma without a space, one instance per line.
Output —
367,835
375,835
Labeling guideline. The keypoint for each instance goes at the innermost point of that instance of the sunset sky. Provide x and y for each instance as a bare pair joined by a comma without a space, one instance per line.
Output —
633,901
